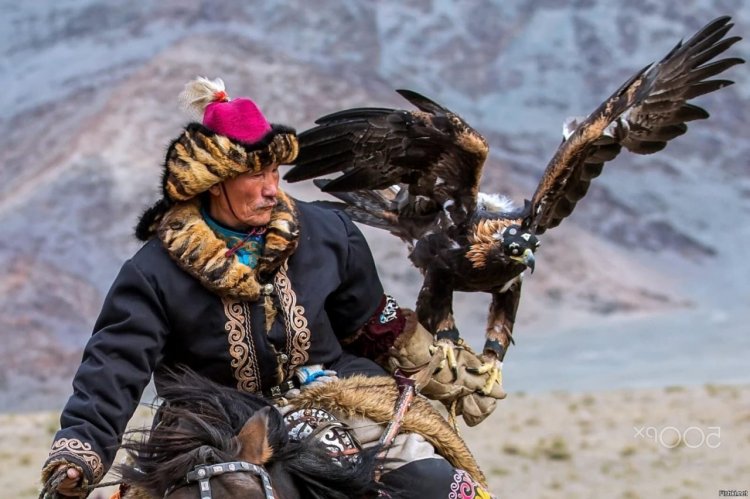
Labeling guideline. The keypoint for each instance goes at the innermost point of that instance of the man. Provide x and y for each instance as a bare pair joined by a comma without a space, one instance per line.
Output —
236,280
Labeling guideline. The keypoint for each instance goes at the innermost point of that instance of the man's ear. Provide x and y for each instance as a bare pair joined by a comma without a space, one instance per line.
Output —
253,438
214,190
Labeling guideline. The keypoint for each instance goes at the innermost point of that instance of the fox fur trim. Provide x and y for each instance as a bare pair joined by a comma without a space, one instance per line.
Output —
200,158
193,245
375,399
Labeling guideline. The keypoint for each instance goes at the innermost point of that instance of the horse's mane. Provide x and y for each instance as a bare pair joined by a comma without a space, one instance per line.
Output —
198,423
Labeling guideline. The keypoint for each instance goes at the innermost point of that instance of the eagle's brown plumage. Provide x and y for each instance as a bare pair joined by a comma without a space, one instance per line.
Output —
433,152
642,116
416,174
482,239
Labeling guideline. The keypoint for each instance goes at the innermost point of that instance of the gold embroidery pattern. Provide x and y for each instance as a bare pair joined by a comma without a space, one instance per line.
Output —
298,334
81,450
241,347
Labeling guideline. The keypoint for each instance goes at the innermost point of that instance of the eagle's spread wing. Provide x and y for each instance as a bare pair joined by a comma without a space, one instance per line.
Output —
404,171
643,115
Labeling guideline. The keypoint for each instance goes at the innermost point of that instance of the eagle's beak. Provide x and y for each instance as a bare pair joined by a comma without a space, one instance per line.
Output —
527,258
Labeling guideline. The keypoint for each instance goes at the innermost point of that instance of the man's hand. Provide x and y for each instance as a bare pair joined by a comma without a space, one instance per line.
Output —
73,481
469,384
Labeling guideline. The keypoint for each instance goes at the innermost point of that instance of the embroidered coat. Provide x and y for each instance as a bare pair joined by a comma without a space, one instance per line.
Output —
180,301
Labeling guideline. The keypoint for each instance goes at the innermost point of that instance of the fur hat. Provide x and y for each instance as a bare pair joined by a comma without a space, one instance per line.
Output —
233,138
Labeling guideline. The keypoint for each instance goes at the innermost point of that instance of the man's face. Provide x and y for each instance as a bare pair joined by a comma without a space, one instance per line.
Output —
251,195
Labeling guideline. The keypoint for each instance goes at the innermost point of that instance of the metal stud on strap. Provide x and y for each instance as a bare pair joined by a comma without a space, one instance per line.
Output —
204,472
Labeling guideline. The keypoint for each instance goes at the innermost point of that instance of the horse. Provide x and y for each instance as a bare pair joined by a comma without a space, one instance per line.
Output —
212,441
216,442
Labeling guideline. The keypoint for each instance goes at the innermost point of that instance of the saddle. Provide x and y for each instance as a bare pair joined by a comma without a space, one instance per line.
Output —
359,400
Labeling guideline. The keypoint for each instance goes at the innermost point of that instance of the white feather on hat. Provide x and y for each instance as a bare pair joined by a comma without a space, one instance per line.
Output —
201,92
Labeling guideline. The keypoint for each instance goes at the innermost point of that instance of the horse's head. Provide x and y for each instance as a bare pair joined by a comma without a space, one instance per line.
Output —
237,445
246,476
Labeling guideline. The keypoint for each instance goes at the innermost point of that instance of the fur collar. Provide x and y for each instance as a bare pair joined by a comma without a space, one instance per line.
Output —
197,250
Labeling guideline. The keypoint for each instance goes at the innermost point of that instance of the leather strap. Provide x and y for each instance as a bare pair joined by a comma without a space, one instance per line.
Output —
406,394
204,472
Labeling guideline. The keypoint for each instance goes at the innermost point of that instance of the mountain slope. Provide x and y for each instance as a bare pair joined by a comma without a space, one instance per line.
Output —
90,106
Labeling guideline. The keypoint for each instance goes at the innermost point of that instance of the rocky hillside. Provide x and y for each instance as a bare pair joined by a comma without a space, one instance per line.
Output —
89,106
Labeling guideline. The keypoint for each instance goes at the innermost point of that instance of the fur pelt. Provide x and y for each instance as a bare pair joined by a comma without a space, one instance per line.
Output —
197,250
375,399
149,221
200,158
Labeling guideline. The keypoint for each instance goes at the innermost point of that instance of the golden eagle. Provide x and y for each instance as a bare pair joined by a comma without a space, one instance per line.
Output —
416,174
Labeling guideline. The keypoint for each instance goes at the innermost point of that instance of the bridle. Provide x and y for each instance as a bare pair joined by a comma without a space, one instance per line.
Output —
203,473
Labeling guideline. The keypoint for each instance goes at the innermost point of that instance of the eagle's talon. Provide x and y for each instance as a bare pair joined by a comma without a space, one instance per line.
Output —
493,368
440,366
473,370
450,355
448,351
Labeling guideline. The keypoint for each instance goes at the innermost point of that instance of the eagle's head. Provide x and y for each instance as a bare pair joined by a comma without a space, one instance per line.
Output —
519,244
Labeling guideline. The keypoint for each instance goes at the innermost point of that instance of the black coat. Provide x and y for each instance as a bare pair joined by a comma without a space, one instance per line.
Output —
160,314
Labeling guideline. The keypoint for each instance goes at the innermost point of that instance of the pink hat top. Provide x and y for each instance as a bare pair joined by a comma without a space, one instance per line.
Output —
238,119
